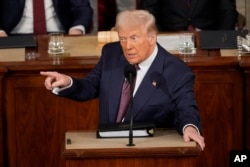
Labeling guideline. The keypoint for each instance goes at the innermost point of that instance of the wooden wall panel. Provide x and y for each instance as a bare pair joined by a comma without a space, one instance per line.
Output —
245,64
219,97
2,73
36,121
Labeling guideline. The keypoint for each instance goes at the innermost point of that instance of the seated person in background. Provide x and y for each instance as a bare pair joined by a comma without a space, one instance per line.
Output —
108,9
72,17
164,87
180,15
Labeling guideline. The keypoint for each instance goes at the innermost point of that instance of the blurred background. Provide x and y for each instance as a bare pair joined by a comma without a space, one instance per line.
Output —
104,9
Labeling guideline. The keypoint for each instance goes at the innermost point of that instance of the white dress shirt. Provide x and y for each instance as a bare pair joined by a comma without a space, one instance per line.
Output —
144,66
25,26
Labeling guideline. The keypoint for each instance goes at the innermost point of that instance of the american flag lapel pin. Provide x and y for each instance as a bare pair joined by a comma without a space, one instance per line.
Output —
154,83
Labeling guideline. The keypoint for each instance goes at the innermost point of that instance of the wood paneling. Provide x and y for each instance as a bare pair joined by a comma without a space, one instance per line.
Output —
245,64
143,162
2,72
36,120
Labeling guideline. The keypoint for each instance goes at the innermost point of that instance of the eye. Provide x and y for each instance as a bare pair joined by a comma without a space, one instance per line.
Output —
134,38
123,40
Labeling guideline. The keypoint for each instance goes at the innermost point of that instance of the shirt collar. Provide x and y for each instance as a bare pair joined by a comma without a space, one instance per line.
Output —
147,63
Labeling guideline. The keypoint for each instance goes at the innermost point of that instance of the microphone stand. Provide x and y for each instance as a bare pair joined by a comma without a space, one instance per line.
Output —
131,111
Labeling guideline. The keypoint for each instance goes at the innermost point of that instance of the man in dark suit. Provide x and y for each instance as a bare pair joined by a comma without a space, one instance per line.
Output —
69,16
163,88
178,15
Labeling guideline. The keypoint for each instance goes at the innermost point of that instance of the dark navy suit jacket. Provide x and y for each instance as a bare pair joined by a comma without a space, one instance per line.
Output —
69,12
165,95
203,14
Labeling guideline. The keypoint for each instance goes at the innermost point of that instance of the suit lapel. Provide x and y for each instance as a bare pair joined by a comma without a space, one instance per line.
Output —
54,2
148,85
22,3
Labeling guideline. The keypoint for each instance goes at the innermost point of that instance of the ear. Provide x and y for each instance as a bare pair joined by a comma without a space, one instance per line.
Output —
152,39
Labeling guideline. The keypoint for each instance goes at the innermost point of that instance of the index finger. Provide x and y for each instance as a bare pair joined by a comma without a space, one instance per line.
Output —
48,73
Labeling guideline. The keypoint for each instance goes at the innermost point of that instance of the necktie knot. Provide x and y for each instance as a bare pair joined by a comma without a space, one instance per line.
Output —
137,67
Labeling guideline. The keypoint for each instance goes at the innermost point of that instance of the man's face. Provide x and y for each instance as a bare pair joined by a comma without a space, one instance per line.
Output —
137,44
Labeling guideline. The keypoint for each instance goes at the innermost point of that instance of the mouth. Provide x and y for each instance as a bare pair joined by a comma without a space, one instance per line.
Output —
131,55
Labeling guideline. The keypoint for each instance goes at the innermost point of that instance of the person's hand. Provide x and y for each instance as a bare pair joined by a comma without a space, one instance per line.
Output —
75,31
190,133
55,79
3,34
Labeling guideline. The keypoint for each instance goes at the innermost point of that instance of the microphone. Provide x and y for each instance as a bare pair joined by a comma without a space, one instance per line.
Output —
130,74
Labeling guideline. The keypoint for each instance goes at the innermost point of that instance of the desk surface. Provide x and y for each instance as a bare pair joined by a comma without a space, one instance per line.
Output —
84,144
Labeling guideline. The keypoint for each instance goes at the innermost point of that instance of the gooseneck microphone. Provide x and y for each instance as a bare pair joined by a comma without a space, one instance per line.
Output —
130,74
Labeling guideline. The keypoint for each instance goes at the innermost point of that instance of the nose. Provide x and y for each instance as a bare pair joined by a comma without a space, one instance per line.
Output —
128,45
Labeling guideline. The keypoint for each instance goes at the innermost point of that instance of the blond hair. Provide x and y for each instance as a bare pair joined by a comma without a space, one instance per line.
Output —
135,18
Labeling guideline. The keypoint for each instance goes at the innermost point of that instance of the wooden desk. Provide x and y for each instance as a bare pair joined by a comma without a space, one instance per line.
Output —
34,121
164,146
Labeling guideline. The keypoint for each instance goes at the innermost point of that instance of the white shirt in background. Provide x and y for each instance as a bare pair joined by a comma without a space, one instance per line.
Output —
25,26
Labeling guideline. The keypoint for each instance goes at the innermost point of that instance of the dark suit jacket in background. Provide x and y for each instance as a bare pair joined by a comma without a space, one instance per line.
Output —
166,90
70,13
107,11
173,15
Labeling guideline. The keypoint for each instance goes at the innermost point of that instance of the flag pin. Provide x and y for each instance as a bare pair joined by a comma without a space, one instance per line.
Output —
154,83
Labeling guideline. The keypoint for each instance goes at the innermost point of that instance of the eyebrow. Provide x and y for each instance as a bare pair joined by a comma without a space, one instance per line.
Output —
130,36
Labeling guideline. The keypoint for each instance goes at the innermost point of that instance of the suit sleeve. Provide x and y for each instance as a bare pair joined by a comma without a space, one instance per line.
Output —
186,106
181,91
86,88
228,15
82,13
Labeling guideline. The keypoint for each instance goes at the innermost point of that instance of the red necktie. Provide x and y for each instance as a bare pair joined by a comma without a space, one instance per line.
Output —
188,4
125,97
39,17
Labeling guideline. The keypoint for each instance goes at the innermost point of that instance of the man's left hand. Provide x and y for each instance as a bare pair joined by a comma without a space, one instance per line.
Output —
75,31
190,133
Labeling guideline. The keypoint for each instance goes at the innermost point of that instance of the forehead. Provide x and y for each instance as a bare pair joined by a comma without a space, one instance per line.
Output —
131,31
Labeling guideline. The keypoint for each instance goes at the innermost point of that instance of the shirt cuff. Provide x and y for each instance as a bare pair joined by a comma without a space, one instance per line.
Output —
192,126
80,27
56,90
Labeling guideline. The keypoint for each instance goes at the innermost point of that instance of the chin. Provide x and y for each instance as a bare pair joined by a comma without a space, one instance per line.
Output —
132,62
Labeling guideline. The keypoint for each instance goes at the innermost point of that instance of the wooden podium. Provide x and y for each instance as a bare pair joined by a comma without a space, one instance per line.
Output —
82,148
